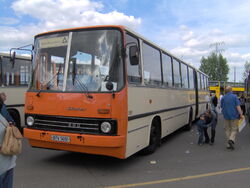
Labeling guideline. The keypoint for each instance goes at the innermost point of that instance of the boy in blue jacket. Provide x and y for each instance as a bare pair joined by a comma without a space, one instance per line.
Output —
207,119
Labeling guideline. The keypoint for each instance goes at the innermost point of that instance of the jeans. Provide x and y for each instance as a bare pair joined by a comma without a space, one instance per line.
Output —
200,127
207,139
6,179
201,134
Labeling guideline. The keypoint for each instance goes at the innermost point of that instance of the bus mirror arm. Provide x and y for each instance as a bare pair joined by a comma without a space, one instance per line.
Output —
22,48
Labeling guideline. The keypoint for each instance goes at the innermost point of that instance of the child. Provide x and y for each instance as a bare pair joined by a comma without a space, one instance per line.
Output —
202,124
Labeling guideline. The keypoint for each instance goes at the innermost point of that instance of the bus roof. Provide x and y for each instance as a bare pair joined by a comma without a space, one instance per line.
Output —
121,27
26,57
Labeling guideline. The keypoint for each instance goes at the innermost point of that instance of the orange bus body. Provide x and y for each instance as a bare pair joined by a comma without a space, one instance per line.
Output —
59,104
102,105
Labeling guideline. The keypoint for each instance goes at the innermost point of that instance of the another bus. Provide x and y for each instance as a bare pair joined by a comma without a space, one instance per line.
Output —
237,88
247,97
218,87
215,87
106,90
14,81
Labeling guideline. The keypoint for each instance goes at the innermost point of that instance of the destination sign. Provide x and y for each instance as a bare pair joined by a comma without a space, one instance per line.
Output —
53,42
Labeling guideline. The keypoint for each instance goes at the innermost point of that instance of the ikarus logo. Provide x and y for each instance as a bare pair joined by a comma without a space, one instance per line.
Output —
76,109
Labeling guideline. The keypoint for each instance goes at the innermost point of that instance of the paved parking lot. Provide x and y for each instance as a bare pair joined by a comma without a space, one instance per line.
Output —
179,162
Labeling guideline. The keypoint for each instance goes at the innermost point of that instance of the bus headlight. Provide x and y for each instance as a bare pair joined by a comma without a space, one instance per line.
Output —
106,127
30,121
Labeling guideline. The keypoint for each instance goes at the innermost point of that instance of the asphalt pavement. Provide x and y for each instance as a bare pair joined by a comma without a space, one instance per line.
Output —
179,162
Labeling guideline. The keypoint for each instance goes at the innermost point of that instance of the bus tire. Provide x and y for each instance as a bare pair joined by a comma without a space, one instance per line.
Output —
16,117
155,138
190,121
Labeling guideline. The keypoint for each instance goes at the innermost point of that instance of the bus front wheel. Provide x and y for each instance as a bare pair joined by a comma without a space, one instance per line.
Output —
155,138
16,118
188,127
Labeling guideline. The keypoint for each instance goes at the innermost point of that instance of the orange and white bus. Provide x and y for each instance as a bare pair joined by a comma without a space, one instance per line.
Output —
107,90
14,81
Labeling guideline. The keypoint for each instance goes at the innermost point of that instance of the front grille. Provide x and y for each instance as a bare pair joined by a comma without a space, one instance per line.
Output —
70,124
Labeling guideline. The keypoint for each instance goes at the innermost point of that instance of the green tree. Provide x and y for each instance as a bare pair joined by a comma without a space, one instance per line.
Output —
246,70
215,66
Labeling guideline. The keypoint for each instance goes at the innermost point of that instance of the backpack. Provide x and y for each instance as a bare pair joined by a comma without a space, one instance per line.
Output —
12,142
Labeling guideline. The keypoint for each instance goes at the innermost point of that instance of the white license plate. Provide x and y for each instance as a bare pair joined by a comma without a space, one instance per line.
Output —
60,138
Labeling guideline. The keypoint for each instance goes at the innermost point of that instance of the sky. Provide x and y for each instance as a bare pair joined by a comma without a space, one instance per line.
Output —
186,28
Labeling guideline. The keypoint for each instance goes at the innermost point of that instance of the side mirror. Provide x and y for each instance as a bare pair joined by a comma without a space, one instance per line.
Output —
134,55
23,48
13,58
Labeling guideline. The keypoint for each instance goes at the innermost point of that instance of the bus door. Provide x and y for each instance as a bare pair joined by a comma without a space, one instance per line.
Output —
196,94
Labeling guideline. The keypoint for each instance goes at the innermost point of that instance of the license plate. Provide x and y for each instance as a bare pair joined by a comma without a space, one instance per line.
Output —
60,138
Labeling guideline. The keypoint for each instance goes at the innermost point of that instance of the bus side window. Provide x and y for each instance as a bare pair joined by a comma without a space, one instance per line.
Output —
191,78
184,76
18,75
203,82
167,70
199,80
177,75
133,71
151,65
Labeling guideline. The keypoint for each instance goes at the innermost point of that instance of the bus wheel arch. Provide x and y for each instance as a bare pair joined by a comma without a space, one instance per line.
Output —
16,116
154,137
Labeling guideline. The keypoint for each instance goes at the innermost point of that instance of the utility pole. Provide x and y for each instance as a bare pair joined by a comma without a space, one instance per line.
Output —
217,51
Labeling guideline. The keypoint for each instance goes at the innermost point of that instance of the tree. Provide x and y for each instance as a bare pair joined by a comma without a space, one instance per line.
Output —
246,70
215,66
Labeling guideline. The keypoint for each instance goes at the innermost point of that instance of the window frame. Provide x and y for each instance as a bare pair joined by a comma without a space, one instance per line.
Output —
171,69
160,65
179,70
128,61
182,65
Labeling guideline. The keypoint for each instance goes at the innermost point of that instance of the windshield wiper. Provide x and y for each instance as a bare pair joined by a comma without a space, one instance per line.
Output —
84,88
48,84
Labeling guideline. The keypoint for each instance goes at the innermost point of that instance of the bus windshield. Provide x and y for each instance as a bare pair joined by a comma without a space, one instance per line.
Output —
78,61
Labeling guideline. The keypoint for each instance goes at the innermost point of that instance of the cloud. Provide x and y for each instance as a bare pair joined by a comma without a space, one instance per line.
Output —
58,14
246,56
8,21
187,35
191,44
188,52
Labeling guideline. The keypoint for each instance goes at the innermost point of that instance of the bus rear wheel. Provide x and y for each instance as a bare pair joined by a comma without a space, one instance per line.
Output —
155,138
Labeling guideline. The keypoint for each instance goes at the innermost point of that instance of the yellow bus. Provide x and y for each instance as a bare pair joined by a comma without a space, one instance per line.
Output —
106,90
14,82
238,88
215,87
218,87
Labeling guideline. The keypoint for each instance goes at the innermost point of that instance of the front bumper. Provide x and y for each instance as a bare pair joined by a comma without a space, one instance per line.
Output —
92,144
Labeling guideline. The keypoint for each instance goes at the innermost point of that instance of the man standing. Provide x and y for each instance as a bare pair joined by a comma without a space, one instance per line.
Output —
214,102
232,112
